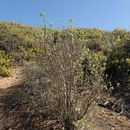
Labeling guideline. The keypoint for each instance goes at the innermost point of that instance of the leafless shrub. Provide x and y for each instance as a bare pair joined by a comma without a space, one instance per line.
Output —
59,86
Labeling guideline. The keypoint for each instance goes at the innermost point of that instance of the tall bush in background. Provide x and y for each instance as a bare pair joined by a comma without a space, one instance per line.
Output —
118,66
6,63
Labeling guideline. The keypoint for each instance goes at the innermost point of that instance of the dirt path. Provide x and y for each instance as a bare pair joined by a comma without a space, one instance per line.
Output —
15,79
5,86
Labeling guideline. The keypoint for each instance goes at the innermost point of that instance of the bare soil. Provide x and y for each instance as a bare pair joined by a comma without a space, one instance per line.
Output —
16,78
105,119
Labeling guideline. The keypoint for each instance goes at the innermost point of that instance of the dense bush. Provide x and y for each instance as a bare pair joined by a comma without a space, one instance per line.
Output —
118,66
6,64
21,41
65,82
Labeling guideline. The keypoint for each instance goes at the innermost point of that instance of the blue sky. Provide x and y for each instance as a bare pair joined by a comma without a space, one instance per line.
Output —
102,14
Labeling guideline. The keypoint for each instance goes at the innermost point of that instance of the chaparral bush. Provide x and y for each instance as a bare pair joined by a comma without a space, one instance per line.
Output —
65,82
6,64
118,66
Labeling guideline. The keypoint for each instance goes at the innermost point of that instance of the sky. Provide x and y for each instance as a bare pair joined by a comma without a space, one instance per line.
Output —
102,14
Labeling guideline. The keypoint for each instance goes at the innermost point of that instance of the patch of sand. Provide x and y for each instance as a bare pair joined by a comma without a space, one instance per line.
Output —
16,78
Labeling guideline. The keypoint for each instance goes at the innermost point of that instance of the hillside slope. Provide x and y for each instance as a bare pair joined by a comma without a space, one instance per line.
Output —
21,43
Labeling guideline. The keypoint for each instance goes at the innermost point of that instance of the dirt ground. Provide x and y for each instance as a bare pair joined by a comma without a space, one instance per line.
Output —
100,119
16,78
104,119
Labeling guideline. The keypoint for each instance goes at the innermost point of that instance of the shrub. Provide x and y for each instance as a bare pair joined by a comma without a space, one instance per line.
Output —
57,85
22,41
6,64
29,53
118,67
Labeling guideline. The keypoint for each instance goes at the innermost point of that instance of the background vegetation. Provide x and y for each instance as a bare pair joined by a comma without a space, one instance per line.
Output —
23,43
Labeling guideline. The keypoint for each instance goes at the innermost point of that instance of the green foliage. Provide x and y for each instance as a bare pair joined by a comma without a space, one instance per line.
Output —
11,33
96,62
29,53
118,66
6,64
23,42
120,37
12,36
